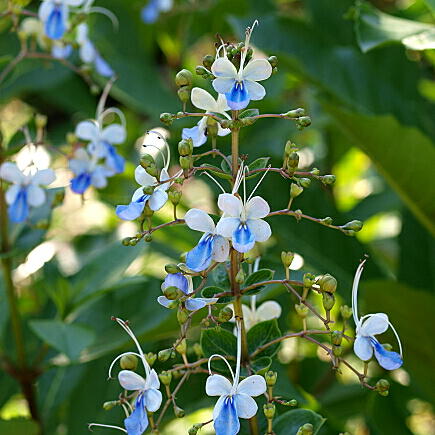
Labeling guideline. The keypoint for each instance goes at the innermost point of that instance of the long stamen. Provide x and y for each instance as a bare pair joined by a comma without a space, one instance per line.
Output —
259,182
239,356
216,355
239,177
249,31
127,414
355,292
103,99
108,111
214,179
109,14
397,337
91,425
119,357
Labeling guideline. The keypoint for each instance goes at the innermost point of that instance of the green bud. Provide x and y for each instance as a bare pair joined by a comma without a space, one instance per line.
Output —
225,315
271,378
172,293
208,60
152,170
302,122
150,358
292,402
269,410
167,118
128,362
195,428
183,78
198,350
107,406
182,316
181,347
289,147
301,310
165,377
164,355
309,280
315,171
295,190
226,123
126,241
328,179
298,214
148,238
382,385
336,337
179,412
148,190
201,71
287,258
346,312
326,221
147,160
172,268
174,196
212,127
295,113
293,160
353,225
337,350
40,120
273,60
185,162
134,241
305,182
328,283
185,147
184,94
306,429
328,301
240,277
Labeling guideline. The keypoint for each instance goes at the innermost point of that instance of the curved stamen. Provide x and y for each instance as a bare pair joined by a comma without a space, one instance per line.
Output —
216,355
119,357
112,110
239,356
91,425
109,14
214,179
258,184
397,337
249,31
355,292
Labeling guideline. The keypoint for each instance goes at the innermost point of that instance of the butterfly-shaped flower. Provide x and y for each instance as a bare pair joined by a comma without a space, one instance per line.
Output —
54,15
367,327
204,101
241,86
25,191
150,13
211,246
156,200
236,398
185,285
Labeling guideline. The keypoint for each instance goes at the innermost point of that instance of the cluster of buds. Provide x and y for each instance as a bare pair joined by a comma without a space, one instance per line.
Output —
328,286
185,149
204,69
291,157
184,81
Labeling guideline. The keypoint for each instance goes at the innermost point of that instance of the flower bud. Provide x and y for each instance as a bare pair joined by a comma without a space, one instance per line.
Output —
182,316
305,182
293,160
292,402
295,113
295,190
150,358
336,337
315,171
40,120
183,78
201,71
353,225
184,94
128,362
107,406
134,241
126,241
148,190
225,315
167,118
212,127
337,350
226,123
326,221
164,355
306,429
328,283
382,386
289,147
181,347
302,122
287,258
273,60
165,377
179,412
172,268
271,378
309,280
185,147
328,179
174,196
198,350
301,310
152,170
185,162
240,277
269,410
148,238
195,428
208,60
172,293
147,160
328,301
346,312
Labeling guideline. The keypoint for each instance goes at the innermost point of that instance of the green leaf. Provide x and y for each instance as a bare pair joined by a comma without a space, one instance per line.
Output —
69,339
261,365
259,276
263,333
248,113
289,422
216,171
18,426
259,163
430,4
218,341
211,291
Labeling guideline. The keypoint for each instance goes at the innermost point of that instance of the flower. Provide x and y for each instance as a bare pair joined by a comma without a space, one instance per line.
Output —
150,13
25,191
156,199
236,399
54,16
60,50
203,100
367,327
211,246
241,86
185,285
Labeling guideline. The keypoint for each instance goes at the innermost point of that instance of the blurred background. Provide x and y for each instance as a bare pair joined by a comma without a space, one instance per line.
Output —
365,73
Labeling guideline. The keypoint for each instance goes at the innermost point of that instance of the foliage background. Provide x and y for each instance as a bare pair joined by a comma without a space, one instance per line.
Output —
373,126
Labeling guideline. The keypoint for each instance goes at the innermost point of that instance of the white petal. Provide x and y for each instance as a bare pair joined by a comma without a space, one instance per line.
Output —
221,249
253,386
73,2
12,193
44,176
88,130
98,177
217,385
260,229
221,103
245,405
130,380
222,67
227,226
152,380
257,69
143,178
82,33
203,100
223,131
269,310
223,85
230,204
376,324
87,52
257,207
114,133
248,317
255,90
10,172
199,220
153,399
158,200
217,408
363,348
35,195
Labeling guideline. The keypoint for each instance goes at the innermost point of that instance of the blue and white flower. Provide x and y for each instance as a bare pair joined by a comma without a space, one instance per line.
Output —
240,87
204,101
185,285
150,13
25,191
236,398
367,327
54,16
211,246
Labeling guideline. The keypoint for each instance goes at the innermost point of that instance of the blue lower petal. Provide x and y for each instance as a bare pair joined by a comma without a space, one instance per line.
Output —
386,359
227,422
196,134
238,98
19,209
133,210
199,258
102,67
80,183
137,422
114,160
55,24
195,304
243,239
176,280
150,12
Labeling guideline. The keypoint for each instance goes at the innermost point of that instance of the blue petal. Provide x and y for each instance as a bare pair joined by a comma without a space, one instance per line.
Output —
195,304
150,12
102,67
19,209
114,160
137,422
243,239
238,98
199,258
80,183
133,210
196,134
176,280
227,422
55,24
386,359
61,51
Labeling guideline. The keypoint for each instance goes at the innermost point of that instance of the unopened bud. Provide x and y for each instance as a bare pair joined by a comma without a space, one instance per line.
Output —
179,412
289,147
306,429
240,277
185,162
150,358
295,190
195,428
185,147
326,221
181,347
287,258
337,350
212,127
225,315
107,406
198,350
328,301
271,378
148,190
201,71
293,160
183,78
328,283
208,60
147,238
164,355
182,316
382,386
128,362
174,196
152,170
273,60
269,410
309,280
295,113
167,118
353,225
147,160
336,337
346,312
40,120
172,293
305,182
184,94
302,122
292,402
172,268
301,310
165,377
328,179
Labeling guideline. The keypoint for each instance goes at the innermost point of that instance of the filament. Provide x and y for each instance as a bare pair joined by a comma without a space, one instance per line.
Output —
103,99
216,355
91,425
355,284
397,337
109,14
239,356
117,358
249,31
259,182
216,181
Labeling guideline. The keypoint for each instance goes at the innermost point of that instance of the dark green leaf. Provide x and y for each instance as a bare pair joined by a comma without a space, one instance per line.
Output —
263,333
259,163
216,171
211,291
18,426
218,341
289,422
261,365
259,276
248,113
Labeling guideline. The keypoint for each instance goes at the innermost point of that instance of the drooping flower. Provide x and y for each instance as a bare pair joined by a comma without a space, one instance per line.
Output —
240,87
25,191
185,285
236,398
367,327
211,246
204,101
54,15
150,13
